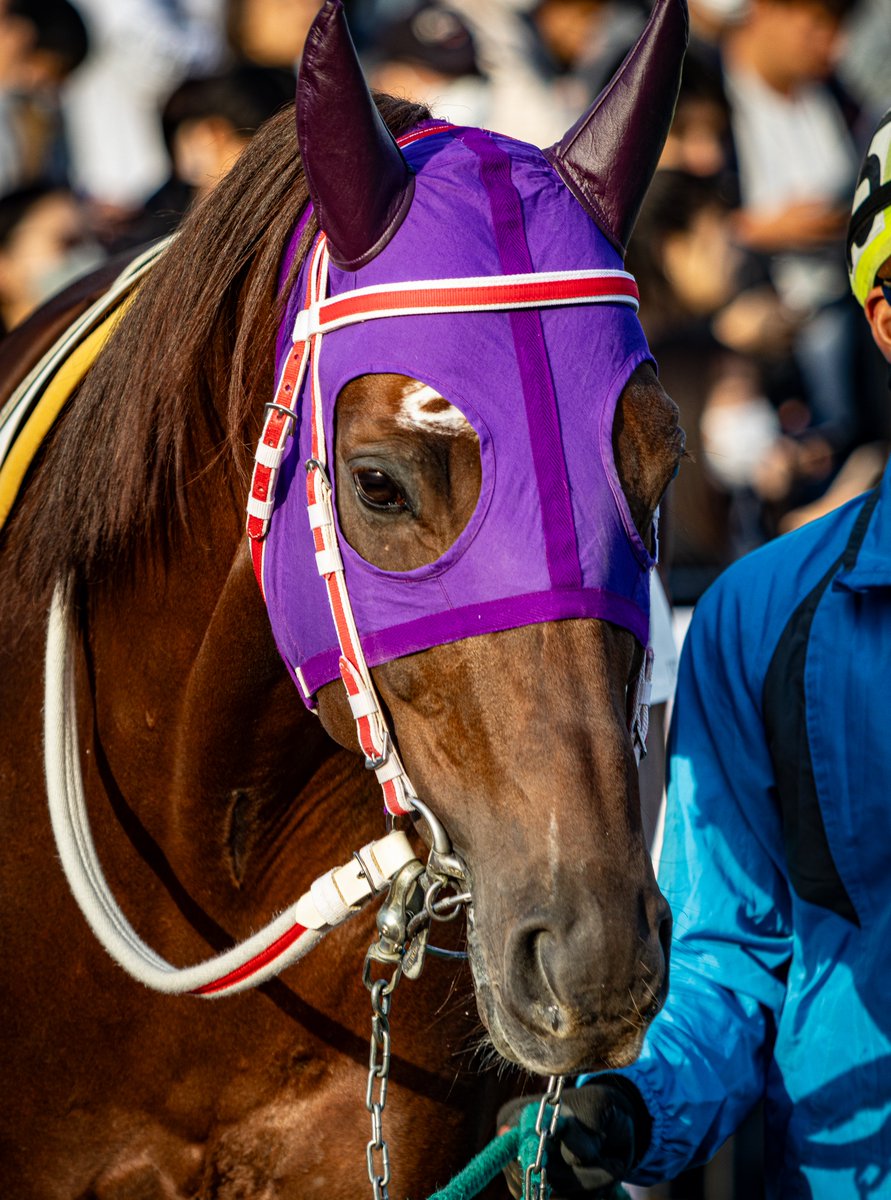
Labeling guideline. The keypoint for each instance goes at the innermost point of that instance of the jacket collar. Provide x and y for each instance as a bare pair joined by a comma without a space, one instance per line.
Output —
872,568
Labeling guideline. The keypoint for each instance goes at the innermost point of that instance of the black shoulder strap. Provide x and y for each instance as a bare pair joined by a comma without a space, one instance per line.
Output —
812,870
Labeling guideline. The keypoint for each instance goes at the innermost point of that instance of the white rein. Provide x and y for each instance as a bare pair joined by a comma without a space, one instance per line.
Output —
331,899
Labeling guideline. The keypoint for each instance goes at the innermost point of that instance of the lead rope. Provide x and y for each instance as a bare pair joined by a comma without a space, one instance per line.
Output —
330,900
527,1143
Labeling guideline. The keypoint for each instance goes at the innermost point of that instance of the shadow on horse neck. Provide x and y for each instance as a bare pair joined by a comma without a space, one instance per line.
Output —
215,797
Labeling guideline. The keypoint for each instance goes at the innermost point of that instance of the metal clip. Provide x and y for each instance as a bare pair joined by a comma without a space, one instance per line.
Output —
416,954
405,900
447,867
442,845
379,953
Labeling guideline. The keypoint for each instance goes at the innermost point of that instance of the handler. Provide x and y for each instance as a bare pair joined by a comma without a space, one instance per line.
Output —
777,855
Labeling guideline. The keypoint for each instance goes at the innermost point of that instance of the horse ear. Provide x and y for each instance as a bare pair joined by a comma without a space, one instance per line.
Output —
608,158
361,186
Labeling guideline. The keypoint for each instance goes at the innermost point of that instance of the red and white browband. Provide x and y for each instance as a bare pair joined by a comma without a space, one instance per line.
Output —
546,289
320,316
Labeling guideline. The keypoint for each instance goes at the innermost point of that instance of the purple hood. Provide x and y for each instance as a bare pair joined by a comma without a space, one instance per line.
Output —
552,536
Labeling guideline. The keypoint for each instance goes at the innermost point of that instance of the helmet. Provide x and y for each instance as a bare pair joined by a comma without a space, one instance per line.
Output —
869,230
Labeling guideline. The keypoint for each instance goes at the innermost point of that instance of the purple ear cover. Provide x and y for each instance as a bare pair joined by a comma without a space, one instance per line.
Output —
361,186
608,157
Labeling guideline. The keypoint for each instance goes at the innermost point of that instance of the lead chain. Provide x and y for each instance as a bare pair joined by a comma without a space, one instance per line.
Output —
400,934
379,1074
537,1188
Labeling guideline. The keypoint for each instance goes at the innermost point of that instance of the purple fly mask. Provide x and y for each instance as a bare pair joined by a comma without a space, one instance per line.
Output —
551,536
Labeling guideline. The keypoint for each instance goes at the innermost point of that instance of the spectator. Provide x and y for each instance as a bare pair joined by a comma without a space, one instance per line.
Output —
710,323
473,64
710,19
587,38
206,123
41,43
429,54
44,245
698,141
139,51
867,51
269,33
796,164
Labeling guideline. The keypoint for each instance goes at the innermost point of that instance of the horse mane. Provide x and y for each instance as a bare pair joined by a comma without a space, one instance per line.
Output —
182,372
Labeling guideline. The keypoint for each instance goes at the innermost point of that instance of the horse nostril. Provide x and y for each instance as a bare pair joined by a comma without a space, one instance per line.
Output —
531,973
664,934
541,943
547,972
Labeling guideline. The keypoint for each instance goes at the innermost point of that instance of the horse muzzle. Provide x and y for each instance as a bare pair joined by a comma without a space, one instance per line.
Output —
564,989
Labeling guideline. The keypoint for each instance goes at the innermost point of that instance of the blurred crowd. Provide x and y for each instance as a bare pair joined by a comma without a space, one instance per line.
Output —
117,115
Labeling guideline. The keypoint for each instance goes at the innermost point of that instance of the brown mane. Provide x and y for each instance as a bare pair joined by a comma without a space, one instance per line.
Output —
182,373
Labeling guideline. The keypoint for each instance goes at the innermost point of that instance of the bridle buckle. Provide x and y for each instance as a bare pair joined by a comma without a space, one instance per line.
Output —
375,764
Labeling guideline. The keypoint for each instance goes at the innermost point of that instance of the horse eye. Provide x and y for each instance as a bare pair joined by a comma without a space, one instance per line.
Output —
378,490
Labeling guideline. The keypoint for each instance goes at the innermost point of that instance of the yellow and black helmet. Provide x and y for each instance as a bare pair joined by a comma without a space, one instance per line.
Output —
869,231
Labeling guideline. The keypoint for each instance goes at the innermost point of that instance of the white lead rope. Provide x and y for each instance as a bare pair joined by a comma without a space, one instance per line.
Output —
331,899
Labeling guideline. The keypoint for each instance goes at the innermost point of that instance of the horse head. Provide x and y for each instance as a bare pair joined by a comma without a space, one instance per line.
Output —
495,473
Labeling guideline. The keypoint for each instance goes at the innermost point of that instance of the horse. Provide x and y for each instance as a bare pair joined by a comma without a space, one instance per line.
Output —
215,788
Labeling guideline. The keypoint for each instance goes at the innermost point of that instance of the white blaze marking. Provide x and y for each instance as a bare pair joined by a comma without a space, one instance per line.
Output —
417,412
553,851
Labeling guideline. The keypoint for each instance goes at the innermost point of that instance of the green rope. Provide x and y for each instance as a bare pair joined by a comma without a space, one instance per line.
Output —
520,1142
480,1171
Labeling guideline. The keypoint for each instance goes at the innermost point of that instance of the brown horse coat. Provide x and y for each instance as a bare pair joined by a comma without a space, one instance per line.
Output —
215,798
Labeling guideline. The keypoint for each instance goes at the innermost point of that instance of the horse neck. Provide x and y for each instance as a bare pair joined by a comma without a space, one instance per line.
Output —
200,741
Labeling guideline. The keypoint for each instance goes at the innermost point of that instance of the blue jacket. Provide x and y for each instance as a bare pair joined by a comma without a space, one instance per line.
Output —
777,866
